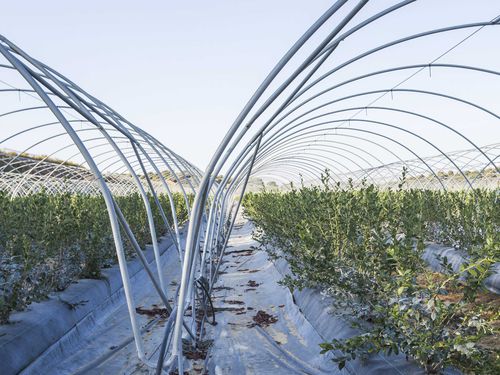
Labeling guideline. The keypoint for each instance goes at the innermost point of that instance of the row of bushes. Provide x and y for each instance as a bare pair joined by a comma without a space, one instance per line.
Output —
49,240
364,247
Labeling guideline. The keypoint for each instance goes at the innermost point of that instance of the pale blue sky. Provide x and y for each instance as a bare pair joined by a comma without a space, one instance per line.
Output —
176,68
182,70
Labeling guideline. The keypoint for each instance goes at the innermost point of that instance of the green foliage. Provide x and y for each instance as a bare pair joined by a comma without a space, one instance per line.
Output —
48,240
364,247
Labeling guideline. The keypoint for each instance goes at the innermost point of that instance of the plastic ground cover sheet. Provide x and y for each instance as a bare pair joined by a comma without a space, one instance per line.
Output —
259,328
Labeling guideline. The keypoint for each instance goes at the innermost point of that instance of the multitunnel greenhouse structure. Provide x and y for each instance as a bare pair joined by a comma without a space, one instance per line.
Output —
347,223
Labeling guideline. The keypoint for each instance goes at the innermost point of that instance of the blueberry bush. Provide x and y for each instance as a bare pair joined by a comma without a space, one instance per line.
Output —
364,247
49,240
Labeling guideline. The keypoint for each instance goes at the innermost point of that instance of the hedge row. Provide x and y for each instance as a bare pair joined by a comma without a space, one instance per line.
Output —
49,240
364,247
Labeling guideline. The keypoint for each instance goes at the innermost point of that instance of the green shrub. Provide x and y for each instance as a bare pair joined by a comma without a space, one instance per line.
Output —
364,246
48,240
